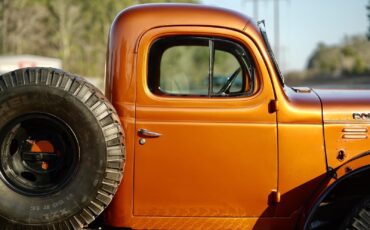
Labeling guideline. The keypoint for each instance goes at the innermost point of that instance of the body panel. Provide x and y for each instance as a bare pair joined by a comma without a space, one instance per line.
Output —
299,108
339,105
336,141
219,191
343,133
207,147
212,223
301,165
302,161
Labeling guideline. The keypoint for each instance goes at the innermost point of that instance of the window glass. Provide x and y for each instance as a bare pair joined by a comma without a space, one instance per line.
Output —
200,66
225,65
184,69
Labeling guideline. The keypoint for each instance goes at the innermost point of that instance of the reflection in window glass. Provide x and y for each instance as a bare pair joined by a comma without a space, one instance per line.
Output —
184,70
225,65
200,66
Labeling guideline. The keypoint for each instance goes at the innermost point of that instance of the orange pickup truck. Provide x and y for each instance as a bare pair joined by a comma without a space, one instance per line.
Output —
197,114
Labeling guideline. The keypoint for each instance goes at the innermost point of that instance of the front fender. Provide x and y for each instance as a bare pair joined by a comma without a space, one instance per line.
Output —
355,163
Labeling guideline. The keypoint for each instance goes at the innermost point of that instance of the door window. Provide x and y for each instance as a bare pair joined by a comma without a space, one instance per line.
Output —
199,66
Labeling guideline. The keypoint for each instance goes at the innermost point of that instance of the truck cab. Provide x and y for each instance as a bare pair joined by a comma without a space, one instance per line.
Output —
214,138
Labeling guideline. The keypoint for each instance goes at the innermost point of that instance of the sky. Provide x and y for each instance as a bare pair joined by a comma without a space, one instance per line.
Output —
304,24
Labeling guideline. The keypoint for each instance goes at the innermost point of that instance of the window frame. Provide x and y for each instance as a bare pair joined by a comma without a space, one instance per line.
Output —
243,57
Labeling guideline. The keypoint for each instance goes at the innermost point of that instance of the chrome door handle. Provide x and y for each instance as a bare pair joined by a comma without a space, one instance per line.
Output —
146,133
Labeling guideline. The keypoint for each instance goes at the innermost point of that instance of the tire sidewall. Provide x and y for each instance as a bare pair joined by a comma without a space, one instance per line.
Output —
88,176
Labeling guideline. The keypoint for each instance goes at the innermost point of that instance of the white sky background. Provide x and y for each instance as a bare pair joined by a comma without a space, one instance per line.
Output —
305,23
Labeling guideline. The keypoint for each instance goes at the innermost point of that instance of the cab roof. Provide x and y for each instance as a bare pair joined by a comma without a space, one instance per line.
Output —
147,16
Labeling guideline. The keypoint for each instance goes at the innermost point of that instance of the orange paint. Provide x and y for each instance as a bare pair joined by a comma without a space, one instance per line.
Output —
42,146
219,161
44,165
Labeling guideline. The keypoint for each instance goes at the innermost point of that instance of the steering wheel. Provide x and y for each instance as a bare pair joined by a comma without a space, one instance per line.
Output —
226,87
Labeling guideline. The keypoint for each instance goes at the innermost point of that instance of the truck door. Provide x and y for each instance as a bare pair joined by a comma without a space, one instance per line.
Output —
206,141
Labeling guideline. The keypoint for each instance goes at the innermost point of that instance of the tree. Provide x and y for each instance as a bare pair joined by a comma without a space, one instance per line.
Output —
74,31
67,26
22,26
368,16
349,57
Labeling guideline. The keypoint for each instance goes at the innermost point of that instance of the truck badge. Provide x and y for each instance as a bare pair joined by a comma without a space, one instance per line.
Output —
361,116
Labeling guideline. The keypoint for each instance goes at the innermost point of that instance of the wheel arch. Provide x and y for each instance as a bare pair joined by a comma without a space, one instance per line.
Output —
345,181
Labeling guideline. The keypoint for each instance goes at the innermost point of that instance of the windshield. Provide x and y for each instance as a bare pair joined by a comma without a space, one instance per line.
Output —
261,25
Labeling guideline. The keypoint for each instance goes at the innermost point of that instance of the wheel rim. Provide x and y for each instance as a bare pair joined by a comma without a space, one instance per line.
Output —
39,154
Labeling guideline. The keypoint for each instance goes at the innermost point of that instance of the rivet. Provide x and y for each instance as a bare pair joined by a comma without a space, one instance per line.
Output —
348,169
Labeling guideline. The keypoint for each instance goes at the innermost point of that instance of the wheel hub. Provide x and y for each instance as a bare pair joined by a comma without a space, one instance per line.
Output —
39,154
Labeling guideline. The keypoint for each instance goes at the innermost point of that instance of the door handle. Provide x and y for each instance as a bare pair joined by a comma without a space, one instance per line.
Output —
147,133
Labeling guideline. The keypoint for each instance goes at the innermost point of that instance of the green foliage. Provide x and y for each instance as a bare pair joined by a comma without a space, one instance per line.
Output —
368,15
350,57
74,31
359,66
348,51
177,69
185,69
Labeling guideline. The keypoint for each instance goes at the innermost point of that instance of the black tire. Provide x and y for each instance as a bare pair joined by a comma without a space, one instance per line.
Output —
359,217
68,183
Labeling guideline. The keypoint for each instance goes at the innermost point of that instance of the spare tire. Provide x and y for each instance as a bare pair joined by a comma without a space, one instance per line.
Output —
61,150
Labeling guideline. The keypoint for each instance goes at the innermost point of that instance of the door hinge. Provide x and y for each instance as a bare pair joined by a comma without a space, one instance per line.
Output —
274,197
273,106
